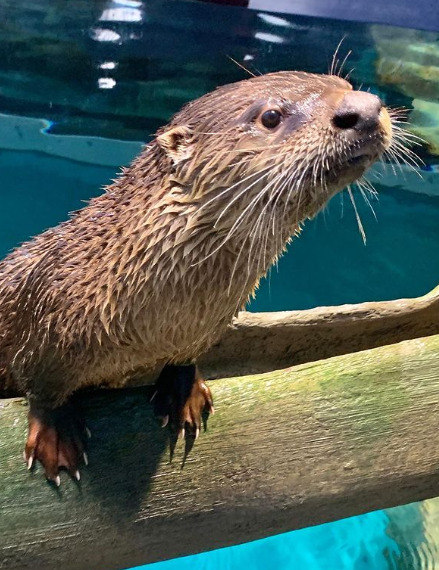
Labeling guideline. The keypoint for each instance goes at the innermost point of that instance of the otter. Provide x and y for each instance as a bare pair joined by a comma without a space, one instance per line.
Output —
148,275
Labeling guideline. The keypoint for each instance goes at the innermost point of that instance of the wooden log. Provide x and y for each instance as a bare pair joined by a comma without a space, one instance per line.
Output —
285,450
259,342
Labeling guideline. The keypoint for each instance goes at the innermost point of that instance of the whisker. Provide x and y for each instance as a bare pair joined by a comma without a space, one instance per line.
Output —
399,139
252,150
229,188
291,187
299,187
367,184
406,139
393,161
343,63
360,225
361,184
233,200
348,75
241,66
278,193
261,254
249,209
399,155
334,61
407,155
235,265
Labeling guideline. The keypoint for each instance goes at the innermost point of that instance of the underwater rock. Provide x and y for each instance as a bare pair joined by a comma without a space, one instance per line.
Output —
409,63
425,122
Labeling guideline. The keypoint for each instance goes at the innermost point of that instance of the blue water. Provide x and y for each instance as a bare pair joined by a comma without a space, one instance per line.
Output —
330,265
359,543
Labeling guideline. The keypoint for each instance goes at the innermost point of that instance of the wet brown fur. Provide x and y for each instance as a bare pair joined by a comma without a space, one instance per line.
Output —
153,270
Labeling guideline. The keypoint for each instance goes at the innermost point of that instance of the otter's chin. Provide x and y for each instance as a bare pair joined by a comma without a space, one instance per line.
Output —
356,166
347,175
362,160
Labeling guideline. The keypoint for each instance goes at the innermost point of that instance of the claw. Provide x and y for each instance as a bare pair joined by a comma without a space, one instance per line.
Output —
56,481
88,433
30,462
56,439
181,399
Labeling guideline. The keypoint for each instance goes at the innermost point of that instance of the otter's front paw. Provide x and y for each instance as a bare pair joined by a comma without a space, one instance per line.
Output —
181,398
56,438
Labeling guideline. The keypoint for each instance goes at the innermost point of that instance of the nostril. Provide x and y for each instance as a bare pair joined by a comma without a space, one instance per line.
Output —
358,111
346,120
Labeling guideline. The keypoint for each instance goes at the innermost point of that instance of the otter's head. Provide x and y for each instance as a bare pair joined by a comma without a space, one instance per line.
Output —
283,142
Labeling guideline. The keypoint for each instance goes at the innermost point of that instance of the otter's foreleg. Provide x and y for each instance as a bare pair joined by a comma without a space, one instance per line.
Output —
181,397
56,438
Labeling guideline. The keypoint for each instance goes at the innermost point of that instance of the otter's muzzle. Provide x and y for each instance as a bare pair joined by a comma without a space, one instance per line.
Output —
359,111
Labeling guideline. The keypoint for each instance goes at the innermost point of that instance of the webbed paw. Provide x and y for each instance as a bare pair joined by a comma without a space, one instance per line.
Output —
56,438
182,399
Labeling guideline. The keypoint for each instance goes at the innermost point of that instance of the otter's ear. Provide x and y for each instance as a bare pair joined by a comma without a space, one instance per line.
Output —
177,143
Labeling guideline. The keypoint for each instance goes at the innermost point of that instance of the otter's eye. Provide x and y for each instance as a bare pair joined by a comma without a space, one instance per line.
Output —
271,118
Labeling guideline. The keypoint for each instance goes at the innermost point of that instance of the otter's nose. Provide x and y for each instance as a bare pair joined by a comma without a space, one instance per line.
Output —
359,111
